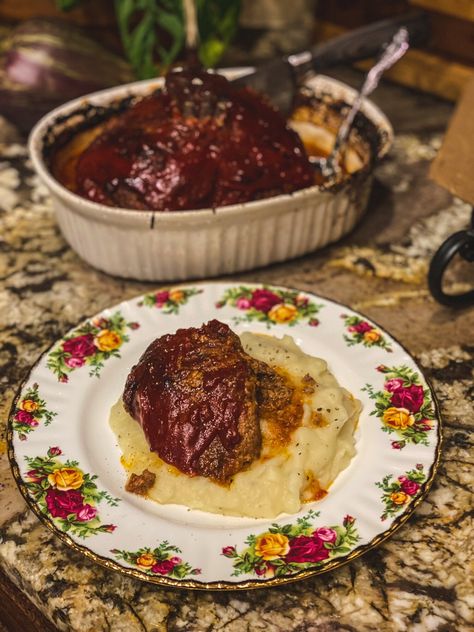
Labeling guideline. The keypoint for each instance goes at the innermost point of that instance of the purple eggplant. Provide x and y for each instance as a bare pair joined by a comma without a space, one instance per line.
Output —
46,62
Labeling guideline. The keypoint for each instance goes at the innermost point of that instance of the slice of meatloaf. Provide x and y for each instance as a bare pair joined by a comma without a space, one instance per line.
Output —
194,394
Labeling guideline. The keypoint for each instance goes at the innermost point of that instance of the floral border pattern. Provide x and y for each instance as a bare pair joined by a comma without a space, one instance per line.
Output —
398,493
91,344
287,549
360,331
29,412
66,494
271,306
404,406
158,561
169,301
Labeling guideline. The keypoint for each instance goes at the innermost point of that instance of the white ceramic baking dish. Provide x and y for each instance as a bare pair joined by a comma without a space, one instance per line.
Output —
160,246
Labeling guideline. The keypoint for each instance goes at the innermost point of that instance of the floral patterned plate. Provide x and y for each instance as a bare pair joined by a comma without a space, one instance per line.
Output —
67,463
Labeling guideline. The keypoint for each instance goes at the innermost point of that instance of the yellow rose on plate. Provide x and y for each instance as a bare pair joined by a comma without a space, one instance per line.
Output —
177,296
270,546
398,418
282,313
107,340
66,478
29,405
399,498
372,336
146,560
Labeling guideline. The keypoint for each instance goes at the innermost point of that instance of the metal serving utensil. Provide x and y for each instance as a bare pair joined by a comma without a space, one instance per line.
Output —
279,79
330,167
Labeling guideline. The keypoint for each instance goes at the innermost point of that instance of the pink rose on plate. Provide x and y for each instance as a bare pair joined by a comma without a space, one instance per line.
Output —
74,362
163,567
301,300
264,300
33,476
409,397
26,418
101,323
86,513
243,303
54,451
266,570
361,327
161,298
60,504
326,535
393,385
410,487
305,549
80,346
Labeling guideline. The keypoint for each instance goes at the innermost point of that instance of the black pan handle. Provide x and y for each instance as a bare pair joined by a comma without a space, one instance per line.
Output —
361,43
461,242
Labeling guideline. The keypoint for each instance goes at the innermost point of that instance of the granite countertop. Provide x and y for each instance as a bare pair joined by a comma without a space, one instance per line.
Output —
417,580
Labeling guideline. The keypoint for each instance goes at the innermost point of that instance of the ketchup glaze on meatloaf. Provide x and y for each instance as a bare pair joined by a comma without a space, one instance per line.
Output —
200,142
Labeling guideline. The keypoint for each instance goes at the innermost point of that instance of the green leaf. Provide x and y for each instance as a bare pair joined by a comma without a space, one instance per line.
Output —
217,22
67,5
173,24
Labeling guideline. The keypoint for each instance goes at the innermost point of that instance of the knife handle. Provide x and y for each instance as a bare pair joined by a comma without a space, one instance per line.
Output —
361,43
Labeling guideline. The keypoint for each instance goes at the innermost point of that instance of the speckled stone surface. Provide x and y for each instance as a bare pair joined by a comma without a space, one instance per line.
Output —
422,578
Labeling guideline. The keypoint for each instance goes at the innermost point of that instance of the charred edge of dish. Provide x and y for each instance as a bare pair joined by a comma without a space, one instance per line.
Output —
369,137
64,127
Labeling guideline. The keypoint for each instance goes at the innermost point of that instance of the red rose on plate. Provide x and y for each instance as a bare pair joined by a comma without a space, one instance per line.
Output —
161,298
264,300
163,567
80,346
25,417
409,397
361,327
306,549
229,551
410,487
60,504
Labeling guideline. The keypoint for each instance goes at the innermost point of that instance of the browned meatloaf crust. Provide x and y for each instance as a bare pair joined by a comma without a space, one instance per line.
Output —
193,392
200,142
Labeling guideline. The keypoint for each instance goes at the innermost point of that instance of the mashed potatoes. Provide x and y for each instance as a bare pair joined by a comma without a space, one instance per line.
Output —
283,477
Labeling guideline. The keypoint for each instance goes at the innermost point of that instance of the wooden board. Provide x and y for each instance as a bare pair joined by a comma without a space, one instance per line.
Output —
418,69
460,8
453,166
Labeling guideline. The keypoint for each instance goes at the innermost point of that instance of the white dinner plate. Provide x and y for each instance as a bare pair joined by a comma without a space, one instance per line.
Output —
66,461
